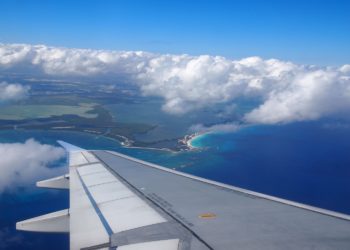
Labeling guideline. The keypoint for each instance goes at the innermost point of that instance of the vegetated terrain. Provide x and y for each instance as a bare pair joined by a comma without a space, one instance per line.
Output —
61,105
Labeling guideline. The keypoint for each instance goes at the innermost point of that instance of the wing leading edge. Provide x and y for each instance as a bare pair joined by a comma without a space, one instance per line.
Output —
120,201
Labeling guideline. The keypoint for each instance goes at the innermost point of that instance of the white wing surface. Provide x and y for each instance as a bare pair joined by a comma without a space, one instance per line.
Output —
120,202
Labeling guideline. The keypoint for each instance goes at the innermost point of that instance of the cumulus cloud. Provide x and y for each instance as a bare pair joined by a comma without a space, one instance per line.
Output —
12,92
287,92
309,96
70,62
21,163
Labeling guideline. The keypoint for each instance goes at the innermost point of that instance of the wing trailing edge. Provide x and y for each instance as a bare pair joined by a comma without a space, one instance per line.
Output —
56,222
60,182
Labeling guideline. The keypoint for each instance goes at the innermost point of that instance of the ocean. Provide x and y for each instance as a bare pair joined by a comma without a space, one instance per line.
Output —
305,162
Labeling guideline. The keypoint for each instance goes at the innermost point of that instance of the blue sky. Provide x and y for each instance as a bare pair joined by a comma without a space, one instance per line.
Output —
311,32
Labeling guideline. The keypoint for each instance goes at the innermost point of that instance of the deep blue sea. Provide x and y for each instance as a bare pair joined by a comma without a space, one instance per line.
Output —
305,162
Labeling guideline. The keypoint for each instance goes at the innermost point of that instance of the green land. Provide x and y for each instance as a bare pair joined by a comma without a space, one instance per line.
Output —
24,111
122,114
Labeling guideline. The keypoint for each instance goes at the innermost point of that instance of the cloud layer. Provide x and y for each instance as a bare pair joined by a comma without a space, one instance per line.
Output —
286,91
22,163
224,128
12,92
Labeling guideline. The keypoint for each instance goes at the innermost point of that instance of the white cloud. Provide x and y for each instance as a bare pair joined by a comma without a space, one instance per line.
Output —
21,163
345,68
217,128
70,62
12,92
288,92
311,95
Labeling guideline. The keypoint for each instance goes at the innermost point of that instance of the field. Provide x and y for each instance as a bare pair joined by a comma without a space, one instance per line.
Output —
22,112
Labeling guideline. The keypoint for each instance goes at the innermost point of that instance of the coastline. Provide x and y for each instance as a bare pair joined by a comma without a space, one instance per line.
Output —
188,140
183,144
124,141
110,130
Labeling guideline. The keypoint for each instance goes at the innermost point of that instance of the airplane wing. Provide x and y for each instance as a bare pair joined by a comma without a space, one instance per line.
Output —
119,202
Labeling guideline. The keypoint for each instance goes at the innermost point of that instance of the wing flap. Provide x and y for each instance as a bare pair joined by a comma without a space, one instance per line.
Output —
60,182
86,227
153,245
120,206
101,205
56,222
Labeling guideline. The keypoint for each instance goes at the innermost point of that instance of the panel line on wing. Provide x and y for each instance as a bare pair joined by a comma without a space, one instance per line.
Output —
97,210
236,189
118,207
102,183
116,199
97,247
84,219
92,173
155,206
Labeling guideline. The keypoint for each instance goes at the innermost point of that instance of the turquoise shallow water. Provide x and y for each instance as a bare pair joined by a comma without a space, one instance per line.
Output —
304,162
199,141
